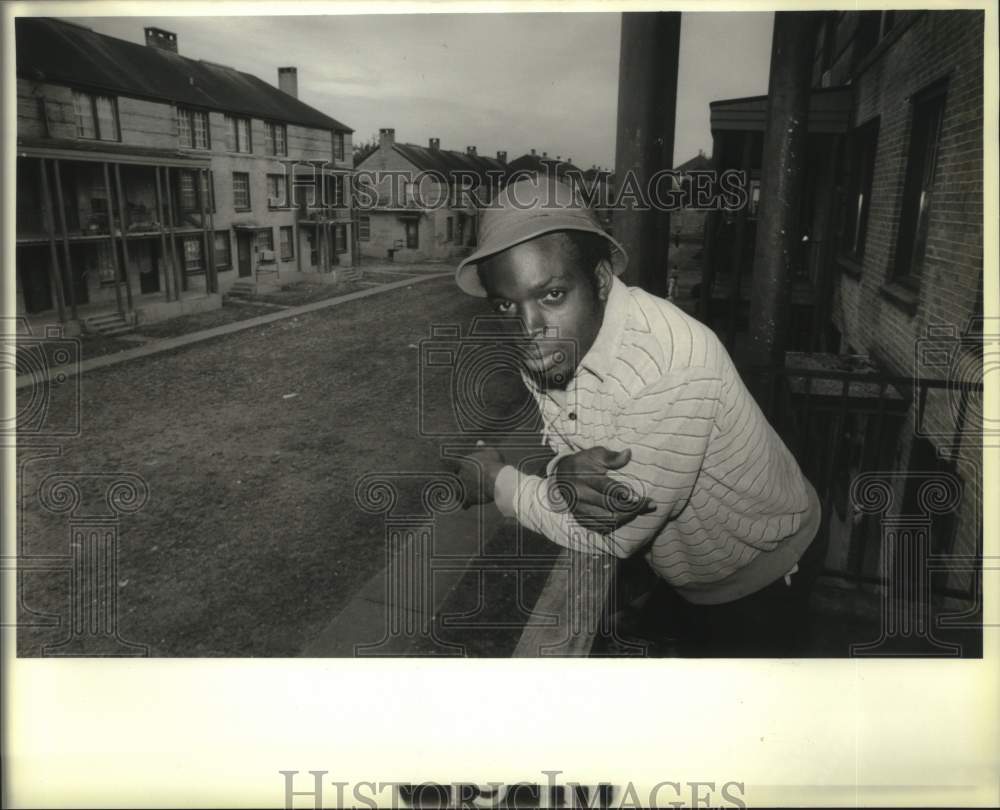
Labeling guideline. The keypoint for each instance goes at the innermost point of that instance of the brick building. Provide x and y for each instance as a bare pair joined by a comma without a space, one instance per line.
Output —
419,202
888,285
149,183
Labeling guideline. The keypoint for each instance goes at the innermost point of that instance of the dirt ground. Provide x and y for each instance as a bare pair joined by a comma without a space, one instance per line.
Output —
250,446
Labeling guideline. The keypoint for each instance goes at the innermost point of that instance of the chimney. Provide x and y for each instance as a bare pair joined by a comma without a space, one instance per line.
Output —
545,154
532,151
386,138
470,150
163,40
558,157
434,143
502,156
288,81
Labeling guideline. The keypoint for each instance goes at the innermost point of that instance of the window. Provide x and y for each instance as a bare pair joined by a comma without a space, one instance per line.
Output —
340,238
241,191
238,134
285,235
338,145
193,264
275,139
276,191
208,189
264,239
450,229
192,128
364,228
96,117
337,190
918,187
223,251
412,234
859,168
188,196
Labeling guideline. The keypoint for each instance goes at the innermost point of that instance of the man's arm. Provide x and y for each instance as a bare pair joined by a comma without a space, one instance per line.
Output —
667,427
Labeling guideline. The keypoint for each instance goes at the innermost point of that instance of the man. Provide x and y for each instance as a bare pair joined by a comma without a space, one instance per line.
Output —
660,451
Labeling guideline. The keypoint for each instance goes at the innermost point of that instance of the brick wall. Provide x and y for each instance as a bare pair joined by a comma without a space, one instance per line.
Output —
934,45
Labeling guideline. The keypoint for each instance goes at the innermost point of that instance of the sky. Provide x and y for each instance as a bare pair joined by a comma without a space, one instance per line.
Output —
547,81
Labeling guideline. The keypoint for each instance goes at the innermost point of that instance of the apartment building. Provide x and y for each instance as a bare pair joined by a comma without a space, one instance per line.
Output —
420,203
149,183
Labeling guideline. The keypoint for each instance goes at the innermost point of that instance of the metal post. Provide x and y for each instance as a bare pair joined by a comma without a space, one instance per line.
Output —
114,243
782,172
739,238
50,230
121,216
65,240
647,101
161,219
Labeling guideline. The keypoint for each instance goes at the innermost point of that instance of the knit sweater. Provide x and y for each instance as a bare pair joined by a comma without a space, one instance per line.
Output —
733,510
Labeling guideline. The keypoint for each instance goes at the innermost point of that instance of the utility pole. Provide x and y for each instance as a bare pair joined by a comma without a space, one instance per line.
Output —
647,108
782,173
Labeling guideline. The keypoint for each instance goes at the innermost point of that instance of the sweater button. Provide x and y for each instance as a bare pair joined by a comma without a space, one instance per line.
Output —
572,415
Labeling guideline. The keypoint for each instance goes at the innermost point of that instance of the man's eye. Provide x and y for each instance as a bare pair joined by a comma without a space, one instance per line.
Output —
503,307
553,296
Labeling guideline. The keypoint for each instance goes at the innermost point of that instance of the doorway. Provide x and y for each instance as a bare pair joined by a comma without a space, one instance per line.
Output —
149,268
244,253
33,272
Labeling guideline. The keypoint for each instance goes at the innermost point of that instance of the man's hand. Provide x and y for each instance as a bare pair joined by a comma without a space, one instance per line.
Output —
598,501
477,471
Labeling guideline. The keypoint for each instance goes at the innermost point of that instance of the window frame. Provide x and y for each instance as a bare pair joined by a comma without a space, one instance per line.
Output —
249,196
234,143
228,263
860,155
193,240
95,118
340,238
364,228
271,130
282,185
257,239
917,197
412,226
339,145
289,231
187,116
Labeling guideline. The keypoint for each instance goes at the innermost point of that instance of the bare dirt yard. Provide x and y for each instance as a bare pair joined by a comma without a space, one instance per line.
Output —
250,446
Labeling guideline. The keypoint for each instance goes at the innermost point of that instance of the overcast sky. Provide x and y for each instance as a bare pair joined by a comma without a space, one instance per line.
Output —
499,81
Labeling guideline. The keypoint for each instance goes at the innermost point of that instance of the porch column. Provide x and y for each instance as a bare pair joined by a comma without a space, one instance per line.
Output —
65,239
50,229
210,285
122,217
114,243
647,101
739,239
168,280
782,173
178,281
211,227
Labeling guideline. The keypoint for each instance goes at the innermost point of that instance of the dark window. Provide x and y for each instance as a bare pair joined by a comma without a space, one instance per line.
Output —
188,191
859,167
918,188
223,254
264,239
412,234
276,186
285,234
193,262
237,134
96,116
340,238
364,229
337,190
450,229
275,139
338,145
192,129
241,191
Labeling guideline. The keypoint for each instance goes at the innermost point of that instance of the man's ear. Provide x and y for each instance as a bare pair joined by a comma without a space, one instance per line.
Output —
605,278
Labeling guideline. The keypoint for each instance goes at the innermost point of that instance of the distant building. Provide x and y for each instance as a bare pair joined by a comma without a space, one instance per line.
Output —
424,198
149,183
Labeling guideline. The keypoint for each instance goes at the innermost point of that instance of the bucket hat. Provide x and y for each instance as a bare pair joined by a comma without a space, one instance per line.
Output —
524,210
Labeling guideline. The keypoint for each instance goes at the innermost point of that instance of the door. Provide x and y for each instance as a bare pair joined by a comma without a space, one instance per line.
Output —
33,272
149,275
244,254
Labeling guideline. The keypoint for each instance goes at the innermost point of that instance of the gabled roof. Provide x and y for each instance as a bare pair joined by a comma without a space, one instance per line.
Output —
60,52
697,163
541,165
447,161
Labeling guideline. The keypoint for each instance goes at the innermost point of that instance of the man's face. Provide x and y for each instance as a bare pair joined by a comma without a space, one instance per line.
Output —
558,303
